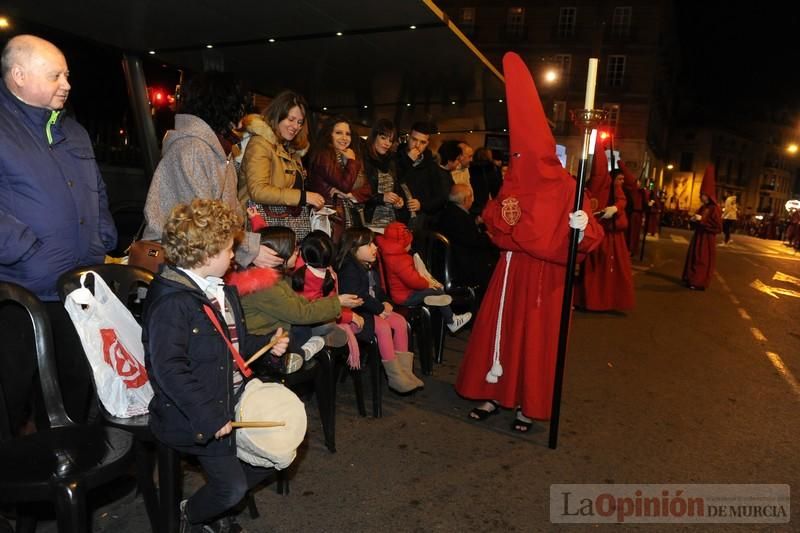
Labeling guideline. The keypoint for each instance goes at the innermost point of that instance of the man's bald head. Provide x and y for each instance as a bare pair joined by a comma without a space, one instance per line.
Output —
35,71
461,194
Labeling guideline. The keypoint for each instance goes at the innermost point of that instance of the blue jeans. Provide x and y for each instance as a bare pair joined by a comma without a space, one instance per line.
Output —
418,297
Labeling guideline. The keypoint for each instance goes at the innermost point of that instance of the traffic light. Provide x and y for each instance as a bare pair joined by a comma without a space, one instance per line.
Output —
159,97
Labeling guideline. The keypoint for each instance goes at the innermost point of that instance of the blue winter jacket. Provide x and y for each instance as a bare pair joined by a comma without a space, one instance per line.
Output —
53,206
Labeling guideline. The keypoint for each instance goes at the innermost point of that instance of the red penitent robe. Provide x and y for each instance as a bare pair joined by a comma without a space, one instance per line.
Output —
702,255
607,281
522,321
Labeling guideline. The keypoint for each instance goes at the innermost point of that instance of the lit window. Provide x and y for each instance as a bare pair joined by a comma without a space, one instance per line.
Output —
564,61
515,22
566,21
616,71
467,23
621,21
612,116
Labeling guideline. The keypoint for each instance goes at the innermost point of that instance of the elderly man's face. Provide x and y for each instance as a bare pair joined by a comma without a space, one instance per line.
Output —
466,155
42,79
469,200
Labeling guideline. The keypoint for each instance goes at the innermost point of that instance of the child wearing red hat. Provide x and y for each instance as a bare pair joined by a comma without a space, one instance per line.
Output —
407,286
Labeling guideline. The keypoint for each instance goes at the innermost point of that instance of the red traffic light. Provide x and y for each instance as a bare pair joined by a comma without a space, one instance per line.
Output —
159,97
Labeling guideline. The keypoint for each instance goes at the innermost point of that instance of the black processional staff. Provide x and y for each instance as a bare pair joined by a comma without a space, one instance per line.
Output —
647,209
588,119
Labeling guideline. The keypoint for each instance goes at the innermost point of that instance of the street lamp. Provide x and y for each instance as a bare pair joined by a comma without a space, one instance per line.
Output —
792,148
670,166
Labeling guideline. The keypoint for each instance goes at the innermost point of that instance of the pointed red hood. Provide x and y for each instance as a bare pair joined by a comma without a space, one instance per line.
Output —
532,146
600,181
630,178
709,185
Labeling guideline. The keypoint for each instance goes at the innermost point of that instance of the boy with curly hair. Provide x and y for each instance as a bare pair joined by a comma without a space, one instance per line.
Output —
196,373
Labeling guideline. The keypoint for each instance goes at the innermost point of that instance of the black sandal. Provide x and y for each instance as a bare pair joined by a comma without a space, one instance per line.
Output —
521,426
482,414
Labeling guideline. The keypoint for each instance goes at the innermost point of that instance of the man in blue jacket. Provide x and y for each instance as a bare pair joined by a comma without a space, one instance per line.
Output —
53,206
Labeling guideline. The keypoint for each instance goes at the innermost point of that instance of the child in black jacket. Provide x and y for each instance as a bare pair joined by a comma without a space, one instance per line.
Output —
195,376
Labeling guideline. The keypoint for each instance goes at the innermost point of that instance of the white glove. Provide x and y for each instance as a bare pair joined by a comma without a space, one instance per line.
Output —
697,217
578,220
651,203
609,211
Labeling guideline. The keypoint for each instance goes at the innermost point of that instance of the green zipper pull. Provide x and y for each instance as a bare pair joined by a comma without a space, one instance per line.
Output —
50,122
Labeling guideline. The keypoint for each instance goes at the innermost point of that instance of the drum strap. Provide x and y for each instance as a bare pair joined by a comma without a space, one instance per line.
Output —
246,372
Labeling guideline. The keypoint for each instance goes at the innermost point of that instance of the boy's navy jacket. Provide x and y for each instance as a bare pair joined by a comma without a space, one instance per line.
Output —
354,279
189,364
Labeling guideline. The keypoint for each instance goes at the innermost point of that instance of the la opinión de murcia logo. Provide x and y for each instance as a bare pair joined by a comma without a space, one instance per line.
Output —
691,503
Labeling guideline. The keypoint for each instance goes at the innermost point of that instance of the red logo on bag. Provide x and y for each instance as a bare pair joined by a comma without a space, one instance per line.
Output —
119,358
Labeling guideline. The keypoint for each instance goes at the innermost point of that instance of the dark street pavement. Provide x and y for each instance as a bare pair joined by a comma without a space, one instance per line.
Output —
690,387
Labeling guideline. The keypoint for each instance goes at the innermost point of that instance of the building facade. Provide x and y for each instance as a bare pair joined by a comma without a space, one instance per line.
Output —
636,44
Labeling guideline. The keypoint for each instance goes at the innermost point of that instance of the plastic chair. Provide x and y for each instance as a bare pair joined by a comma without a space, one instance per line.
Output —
371,359
63,462
438,259
129,284
318,373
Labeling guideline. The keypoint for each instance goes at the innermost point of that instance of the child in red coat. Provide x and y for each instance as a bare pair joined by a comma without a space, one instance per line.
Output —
406,285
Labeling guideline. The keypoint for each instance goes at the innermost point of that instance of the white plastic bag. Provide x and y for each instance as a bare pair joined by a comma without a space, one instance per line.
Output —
320,220
112,341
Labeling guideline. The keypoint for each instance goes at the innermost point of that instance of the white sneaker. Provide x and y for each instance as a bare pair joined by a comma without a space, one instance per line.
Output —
312,347
459,321
438,300
292,363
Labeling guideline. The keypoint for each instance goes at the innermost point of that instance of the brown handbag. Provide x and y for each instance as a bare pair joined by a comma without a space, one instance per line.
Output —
146,254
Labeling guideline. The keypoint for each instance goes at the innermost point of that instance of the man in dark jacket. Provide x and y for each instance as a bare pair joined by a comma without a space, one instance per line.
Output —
53,208
473,253
418,171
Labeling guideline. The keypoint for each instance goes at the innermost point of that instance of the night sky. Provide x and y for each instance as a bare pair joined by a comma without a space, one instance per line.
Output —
736,56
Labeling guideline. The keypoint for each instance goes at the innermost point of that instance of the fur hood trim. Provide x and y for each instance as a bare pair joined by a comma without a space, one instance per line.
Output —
252,280
256,125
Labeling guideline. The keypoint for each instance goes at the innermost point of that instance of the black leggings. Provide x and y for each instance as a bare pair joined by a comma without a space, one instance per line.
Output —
727,227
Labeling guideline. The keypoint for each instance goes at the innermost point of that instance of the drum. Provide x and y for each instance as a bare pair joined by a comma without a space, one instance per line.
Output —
274,447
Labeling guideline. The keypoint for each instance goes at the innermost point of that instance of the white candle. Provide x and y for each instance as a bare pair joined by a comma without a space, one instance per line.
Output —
591,83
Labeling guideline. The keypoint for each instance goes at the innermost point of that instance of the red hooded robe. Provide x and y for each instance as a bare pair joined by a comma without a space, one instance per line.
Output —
607,280
702,255
511,354
637,198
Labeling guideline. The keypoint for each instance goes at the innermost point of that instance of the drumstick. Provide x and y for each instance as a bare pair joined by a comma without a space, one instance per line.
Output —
264,350
257,424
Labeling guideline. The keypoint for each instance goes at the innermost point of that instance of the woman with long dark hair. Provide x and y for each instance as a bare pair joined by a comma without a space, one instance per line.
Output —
334,170
386,200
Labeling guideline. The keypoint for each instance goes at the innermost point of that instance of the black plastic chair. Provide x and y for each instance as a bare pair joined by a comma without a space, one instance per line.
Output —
129,284
63,462
319,374
438,259
371,360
